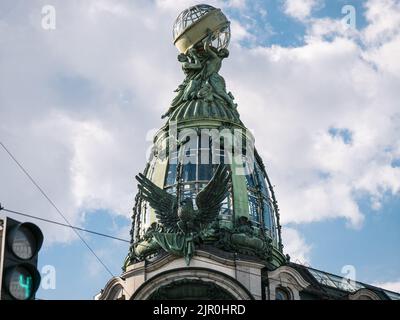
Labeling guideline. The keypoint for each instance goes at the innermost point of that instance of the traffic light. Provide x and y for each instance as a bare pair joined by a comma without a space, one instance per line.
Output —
19,247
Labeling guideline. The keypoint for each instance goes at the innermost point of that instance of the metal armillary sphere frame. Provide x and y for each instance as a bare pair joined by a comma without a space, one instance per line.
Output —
192,26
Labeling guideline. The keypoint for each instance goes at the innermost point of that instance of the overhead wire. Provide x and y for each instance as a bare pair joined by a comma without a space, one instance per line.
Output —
62,224
56,208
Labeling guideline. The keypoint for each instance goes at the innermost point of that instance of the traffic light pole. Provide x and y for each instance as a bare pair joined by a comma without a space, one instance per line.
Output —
2,243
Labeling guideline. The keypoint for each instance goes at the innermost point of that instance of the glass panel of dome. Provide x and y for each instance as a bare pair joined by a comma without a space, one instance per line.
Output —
205,171
267,212
205,156
250,181
205,140
344,283
226,208
322,278
218,156
253,209
189,156
334,281
273,222
205,166
189,172
189,149
261,181
171,174
392,295
173,156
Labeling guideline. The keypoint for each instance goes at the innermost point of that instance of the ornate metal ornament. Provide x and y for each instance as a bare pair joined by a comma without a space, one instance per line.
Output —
180,223
201,34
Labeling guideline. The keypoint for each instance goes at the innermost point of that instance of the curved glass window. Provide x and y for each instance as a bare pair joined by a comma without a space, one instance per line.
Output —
252,190
261,181
250,178
261,209
267,214
205,172
282,294
189,172
196,170
170,177
253,210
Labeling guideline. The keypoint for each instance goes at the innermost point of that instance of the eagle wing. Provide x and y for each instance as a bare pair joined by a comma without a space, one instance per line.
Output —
209,200
163,203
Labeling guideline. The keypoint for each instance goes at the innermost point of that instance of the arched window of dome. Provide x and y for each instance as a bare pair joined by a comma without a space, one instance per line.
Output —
117,293
282,294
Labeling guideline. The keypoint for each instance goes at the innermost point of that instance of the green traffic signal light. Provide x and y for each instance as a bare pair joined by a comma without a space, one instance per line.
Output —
21,282
27,285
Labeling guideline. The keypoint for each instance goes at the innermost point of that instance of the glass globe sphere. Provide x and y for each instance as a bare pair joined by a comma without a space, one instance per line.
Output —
194,21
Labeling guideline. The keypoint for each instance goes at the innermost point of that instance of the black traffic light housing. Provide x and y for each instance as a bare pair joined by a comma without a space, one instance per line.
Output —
20,279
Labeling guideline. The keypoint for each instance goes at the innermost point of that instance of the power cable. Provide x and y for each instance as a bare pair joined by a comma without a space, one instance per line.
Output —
63,224
58,210
55,207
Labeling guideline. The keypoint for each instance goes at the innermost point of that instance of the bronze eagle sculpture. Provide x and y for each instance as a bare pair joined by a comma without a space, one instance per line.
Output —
182,217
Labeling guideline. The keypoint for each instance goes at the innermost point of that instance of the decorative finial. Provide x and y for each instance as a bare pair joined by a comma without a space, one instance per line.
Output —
194,25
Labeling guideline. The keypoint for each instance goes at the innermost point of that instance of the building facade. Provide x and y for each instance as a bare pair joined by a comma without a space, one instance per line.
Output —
205,222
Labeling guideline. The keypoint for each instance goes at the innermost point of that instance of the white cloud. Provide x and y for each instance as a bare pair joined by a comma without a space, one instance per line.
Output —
296,246
300,9
71,108
383,18
240,32
325,28
303,92
391,286
240,4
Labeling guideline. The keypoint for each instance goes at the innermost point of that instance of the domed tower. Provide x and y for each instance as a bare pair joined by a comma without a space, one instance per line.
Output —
205,222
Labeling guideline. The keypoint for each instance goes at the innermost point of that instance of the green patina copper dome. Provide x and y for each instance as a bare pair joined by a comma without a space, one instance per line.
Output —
203,110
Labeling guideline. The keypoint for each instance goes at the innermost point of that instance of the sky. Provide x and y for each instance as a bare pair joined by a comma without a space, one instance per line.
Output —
317,85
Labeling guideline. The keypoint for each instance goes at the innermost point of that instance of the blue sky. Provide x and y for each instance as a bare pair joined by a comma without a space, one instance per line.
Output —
82,102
